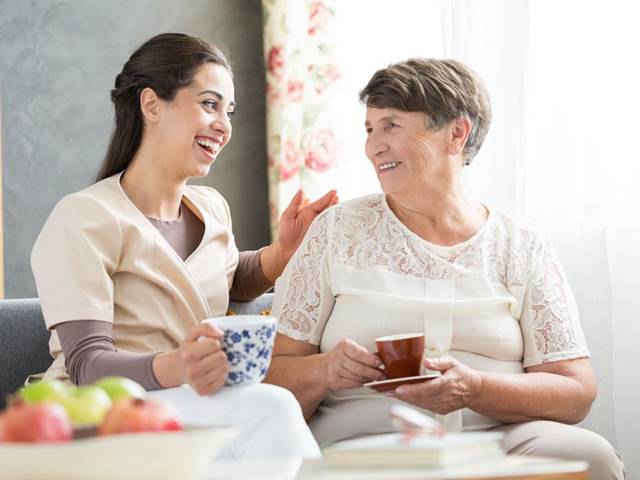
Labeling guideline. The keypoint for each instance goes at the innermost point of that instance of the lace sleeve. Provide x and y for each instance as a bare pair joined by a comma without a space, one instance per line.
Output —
303,298
550,322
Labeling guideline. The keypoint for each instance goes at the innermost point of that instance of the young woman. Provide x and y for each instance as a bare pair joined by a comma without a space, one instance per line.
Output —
127,268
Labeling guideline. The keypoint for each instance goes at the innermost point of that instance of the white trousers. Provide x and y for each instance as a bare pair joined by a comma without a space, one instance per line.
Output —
269,417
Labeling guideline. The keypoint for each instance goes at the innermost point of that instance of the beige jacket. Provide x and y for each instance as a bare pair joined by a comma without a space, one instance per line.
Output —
99,258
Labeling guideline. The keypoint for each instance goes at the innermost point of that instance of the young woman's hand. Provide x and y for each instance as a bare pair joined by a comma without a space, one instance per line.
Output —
202,362
297,218
294,223
198,361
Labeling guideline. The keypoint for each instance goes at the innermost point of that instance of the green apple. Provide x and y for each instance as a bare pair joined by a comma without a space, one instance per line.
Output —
86,405
121,387
44,390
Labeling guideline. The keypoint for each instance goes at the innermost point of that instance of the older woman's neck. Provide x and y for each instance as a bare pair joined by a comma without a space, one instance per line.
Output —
440,213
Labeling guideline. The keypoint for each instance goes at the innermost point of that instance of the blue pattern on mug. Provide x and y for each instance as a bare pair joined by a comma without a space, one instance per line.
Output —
248,353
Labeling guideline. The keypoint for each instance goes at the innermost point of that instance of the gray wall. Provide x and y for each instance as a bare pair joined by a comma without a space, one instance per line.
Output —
58,61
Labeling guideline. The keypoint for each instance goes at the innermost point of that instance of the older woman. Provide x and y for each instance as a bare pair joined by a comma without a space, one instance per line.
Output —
500,320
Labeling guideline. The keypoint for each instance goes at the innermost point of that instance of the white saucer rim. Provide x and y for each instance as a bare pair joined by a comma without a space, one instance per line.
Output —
403,379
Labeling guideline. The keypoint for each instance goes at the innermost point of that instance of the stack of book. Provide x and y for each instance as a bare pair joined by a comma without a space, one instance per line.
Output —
399,450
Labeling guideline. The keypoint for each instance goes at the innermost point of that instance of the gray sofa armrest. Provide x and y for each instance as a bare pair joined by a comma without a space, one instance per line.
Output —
24,343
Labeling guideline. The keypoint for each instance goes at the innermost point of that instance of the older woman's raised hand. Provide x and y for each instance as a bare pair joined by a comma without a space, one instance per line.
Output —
297,218
350,365
457,386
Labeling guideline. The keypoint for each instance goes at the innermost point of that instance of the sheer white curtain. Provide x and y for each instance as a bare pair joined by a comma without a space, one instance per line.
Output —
562,148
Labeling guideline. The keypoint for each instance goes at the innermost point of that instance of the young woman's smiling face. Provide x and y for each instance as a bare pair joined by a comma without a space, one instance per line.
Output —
196,124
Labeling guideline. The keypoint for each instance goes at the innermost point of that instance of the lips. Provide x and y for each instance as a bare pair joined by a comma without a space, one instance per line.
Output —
385,167
209,145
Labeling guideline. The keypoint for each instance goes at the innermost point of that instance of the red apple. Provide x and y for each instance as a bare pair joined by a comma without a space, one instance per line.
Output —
3,428
130,415
44,422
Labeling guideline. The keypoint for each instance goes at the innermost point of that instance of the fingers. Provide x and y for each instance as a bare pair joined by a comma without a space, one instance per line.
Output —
294,205
329,198
439,364
212,380
204,330
200,371
358,371
360,354
428,388
202,348
352,366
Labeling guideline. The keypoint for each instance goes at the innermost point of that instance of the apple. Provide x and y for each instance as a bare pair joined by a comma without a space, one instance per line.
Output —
3,428
43,422
130,415
121,387
86,405
44,390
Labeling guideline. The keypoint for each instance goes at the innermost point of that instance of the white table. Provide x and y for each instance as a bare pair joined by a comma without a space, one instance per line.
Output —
511,466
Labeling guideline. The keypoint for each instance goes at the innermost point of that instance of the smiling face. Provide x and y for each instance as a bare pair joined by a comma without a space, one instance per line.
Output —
406,155
195,126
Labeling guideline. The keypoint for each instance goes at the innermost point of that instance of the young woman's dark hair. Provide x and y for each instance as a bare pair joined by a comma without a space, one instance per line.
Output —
164,63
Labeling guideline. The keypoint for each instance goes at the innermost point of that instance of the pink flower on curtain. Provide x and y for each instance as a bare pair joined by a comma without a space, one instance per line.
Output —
291,159
275,61
295,90
320,150
272,92
325,75
319,16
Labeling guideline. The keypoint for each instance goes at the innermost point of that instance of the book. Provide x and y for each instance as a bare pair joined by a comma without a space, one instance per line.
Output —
397,450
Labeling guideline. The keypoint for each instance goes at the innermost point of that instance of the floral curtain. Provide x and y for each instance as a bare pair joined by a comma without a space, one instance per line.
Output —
301,77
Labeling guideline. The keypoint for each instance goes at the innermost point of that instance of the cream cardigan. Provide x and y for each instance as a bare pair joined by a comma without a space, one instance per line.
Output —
98,257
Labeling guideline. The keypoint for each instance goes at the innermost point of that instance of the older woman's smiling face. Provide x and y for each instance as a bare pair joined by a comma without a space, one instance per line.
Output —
404,152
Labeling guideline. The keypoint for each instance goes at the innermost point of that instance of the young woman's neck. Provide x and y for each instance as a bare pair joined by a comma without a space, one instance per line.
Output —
151,186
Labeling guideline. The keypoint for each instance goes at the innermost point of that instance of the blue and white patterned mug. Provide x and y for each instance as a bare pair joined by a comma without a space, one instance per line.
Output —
248,343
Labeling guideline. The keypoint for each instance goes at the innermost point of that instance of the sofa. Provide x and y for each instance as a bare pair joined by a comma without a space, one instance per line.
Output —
24,338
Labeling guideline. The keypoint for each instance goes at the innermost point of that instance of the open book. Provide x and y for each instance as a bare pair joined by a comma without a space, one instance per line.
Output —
396,450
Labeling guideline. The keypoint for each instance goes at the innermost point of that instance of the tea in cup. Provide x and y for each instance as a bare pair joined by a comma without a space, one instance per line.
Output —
248,342
401,354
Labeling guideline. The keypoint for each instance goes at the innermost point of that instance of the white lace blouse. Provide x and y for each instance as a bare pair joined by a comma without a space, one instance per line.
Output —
498,302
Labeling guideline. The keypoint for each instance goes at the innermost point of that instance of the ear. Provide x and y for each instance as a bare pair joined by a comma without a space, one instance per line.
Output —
149,105
459,134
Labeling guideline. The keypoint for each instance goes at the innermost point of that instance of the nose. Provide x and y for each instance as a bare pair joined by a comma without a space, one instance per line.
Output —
375,145
222,124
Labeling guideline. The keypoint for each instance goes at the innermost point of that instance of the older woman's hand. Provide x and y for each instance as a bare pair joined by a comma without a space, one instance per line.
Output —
297,218
350,365
447,393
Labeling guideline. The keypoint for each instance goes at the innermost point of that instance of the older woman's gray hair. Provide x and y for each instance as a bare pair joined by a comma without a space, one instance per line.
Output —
443,89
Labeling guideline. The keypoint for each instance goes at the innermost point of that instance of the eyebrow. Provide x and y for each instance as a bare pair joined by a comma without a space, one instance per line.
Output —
216,94
383,119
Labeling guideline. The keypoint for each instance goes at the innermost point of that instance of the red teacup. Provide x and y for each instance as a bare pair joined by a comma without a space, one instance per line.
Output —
401,354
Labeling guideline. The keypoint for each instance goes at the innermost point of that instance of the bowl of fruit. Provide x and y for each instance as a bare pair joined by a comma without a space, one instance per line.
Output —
109,430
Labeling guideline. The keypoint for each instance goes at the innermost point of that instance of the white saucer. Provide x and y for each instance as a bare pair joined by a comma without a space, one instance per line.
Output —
392,383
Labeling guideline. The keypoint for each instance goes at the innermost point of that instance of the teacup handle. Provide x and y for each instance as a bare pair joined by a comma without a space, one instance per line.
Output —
382,365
